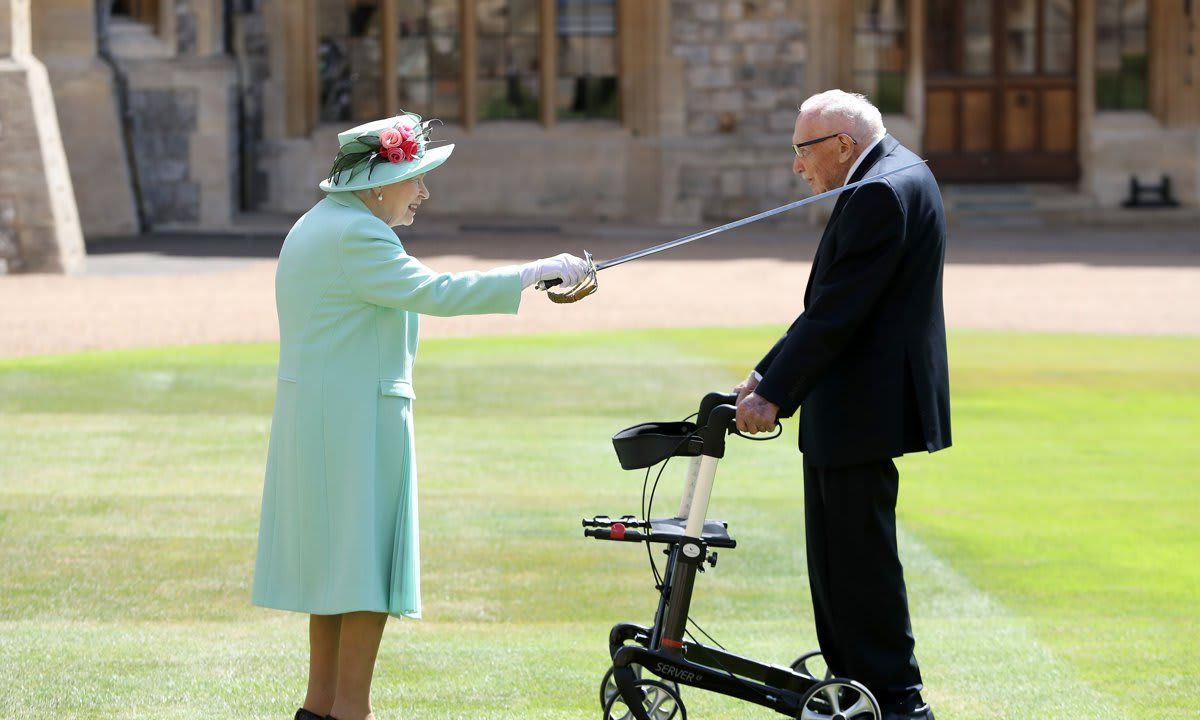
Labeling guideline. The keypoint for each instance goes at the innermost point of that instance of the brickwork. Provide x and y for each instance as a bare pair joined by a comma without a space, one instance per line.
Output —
180,93
744,80
164,121
745,64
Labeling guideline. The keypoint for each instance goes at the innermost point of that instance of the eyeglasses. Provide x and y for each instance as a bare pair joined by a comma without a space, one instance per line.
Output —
806,143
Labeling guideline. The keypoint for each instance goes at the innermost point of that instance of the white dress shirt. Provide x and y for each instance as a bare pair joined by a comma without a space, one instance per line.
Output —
862,157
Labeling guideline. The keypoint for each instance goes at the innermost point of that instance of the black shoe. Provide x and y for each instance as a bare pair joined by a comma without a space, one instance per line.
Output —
303,714
913,709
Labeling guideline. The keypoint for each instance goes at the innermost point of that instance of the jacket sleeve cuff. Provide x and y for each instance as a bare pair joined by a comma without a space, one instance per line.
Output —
773,390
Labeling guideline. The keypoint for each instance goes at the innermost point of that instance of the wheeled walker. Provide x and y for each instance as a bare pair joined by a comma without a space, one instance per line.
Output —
800,691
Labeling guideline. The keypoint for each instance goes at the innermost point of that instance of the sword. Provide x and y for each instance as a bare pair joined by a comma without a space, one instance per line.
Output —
589,284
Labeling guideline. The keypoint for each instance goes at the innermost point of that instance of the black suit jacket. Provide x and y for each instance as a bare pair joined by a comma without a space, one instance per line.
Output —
867,357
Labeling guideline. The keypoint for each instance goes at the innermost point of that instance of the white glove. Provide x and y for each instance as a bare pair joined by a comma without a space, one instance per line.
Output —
566,267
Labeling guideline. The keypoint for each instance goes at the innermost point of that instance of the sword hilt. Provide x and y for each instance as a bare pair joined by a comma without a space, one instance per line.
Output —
547,284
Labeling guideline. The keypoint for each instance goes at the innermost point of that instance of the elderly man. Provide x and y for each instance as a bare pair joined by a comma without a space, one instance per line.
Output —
867,362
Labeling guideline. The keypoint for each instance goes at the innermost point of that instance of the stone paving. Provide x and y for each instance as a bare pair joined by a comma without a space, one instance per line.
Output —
178,290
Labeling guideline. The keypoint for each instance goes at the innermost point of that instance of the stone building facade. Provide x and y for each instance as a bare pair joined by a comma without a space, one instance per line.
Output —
189,113
39,221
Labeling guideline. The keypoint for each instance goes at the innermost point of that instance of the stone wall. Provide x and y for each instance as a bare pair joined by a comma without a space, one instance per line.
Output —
744,81
65,40
181,112
10,250
164,121
573,170
185,131
1135,144
39,221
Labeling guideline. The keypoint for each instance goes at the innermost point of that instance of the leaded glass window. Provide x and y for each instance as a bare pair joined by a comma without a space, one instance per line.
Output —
880,48
349,60
429,58
509,82
587,59
1121,62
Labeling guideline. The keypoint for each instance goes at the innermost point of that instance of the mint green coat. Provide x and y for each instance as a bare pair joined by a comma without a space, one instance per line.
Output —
339,530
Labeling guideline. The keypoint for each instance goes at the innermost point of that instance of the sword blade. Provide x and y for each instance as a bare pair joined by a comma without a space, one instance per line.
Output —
746,221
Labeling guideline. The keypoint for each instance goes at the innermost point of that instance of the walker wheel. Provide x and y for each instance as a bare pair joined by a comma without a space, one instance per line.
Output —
812,665
608,691
659,701
839,699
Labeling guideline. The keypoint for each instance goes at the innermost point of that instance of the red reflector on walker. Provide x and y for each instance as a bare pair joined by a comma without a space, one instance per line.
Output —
617,532
668,642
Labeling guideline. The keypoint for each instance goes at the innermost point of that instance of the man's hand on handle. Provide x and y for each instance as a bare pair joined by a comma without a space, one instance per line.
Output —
754,414
746,387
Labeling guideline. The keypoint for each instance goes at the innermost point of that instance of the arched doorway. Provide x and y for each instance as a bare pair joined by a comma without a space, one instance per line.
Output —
1001,90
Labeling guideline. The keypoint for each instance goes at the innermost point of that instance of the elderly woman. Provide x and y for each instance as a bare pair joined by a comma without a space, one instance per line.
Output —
338,534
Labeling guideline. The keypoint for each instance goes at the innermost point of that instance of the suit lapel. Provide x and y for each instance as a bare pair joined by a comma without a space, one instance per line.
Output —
881,149
885,147
817,259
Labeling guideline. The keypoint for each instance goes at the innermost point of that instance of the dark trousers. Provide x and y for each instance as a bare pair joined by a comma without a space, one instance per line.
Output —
857,583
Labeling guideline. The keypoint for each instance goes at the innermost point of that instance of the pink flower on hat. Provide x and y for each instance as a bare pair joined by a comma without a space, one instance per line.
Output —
399,144
410,147
389,139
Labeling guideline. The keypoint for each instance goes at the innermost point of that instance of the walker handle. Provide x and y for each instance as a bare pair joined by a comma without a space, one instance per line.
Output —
722,420
712,401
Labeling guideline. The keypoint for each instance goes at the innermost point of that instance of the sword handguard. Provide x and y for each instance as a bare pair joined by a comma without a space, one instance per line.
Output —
586,287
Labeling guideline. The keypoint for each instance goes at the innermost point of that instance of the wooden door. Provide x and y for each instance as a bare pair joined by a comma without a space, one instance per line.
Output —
1001,90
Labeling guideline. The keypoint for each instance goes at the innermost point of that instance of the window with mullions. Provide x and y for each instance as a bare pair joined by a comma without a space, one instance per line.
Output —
349,60
509,81
1058,37
958,38
429,58
880,48
1121,66
416,63
1050,22
587,59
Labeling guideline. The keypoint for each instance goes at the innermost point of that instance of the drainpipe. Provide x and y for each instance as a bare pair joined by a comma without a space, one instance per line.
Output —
241,193
121,93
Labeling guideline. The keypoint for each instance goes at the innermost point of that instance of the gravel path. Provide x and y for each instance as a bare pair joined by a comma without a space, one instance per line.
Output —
181,290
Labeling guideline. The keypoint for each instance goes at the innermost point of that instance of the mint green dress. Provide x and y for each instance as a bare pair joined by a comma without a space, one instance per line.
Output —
339,530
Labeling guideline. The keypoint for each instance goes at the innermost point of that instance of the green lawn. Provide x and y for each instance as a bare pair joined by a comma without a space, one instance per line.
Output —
1052,554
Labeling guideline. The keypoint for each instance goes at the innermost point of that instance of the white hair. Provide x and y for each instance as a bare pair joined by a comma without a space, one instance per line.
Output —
851,110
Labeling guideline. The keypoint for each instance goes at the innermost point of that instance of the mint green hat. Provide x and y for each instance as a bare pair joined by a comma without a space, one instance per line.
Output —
363,162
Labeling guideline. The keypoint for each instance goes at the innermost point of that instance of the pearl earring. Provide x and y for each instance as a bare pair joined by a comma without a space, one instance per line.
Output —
379,196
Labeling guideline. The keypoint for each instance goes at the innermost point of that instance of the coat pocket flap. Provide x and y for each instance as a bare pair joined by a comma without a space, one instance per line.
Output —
397,388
